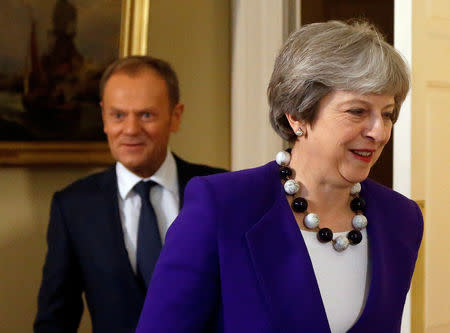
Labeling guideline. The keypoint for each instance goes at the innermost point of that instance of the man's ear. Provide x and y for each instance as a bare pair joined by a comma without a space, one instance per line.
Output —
175,117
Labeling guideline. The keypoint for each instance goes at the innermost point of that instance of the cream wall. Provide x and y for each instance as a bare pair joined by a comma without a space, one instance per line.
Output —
258,29
24,206
195,37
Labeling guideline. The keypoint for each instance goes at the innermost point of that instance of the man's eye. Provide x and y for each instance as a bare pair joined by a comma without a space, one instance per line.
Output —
147,115
118,115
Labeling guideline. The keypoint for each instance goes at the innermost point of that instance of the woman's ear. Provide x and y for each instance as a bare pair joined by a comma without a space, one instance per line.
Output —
298,126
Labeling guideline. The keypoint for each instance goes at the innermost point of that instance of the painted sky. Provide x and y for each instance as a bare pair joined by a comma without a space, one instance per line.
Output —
97,37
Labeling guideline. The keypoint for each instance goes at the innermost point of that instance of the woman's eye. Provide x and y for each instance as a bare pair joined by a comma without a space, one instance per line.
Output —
389,115
356,112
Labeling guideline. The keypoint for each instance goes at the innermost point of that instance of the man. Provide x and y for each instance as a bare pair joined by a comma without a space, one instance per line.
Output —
104,235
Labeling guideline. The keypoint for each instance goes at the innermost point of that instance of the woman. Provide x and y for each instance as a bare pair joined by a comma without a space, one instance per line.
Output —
284,247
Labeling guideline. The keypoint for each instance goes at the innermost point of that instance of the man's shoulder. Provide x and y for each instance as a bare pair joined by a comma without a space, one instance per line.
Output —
194,169
89,184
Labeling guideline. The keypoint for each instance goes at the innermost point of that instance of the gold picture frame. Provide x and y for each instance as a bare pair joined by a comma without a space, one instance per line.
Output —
133,40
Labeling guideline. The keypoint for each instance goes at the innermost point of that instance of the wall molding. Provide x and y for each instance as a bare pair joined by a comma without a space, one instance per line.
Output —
257,35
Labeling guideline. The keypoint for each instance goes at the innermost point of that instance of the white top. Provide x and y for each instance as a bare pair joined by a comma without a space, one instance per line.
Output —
165,200
343,278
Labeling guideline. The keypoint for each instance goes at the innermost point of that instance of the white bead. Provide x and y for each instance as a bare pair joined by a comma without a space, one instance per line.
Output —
359,221
355,189
311,221
283,158
291,187
340,243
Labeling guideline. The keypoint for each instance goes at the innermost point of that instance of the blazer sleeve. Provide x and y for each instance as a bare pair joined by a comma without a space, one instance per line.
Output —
60,305
420,226
184,291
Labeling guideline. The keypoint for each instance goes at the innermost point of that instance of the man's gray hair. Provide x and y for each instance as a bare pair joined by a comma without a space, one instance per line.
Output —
321,57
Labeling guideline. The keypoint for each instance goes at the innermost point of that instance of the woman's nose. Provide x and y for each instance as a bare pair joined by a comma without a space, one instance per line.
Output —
378,130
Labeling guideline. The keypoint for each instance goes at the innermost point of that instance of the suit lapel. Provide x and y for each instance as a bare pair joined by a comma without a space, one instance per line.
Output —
184,175
110,207
109,218
284,270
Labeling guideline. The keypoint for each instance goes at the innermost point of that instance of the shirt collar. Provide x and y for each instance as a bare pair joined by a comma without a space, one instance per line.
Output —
166,176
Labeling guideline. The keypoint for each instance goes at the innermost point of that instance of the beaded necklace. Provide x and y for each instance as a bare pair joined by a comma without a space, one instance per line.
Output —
311,220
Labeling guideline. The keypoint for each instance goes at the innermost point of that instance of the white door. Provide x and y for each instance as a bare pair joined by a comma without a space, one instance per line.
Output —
422,152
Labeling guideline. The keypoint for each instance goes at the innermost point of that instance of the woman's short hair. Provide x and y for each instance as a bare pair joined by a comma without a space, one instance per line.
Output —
134,65
321,57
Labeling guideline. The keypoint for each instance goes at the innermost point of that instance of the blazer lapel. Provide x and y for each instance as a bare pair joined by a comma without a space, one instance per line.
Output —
284,270
379,275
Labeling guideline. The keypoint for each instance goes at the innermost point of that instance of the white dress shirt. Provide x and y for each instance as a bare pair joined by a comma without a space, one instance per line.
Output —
343,278
164,197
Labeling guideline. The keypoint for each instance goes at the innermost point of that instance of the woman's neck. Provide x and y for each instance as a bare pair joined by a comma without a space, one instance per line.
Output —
328,198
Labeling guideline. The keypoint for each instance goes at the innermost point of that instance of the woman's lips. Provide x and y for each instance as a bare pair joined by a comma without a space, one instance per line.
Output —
364,155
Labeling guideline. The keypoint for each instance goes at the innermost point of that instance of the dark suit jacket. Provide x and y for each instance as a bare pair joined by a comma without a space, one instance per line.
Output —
235,261
86,253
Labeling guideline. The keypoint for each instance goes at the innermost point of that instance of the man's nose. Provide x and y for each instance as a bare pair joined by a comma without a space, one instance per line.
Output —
132,125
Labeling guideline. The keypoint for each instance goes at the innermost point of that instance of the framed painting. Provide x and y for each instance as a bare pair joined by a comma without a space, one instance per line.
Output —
52,57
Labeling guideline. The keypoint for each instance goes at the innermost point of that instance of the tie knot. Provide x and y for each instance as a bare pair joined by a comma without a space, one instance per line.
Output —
143,189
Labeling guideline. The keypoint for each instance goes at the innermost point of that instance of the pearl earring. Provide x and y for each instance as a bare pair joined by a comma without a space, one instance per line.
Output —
299,132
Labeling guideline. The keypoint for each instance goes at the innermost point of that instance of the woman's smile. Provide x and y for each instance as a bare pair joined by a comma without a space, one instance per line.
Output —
364,155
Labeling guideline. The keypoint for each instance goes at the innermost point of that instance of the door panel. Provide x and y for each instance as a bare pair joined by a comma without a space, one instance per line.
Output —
430,176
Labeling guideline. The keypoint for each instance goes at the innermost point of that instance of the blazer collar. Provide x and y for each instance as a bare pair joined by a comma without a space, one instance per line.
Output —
284,269
285,273
378,267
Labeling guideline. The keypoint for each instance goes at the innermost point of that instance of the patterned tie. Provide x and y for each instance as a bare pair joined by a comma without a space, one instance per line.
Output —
148,240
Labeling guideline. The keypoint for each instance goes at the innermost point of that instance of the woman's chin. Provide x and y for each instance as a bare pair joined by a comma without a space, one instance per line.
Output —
355,177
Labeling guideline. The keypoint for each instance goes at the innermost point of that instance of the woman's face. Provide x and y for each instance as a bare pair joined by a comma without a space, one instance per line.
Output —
348,135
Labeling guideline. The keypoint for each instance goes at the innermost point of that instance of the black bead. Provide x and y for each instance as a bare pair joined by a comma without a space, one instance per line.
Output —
354,237
324,235
299,205
357,204
285,172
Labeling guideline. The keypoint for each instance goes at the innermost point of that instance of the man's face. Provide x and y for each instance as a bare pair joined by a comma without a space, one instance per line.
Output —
138,119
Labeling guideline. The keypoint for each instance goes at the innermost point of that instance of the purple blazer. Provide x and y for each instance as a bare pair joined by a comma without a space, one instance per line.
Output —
235,261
